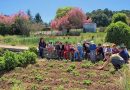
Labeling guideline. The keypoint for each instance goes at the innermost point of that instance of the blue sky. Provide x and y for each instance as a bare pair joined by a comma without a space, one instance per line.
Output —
47,8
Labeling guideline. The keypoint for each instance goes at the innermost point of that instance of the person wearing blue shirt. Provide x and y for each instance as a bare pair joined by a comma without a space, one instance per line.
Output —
124,53
92,48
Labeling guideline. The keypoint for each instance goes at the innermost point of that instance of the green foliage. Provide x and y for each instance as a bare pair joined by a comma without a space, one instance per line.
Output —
21,27
11,60
60,88
38,18
119,17
62,11
87,82
101,20
75,73
30,57
2,64
118,33
71,68
33,49
87,64
4,29
39,77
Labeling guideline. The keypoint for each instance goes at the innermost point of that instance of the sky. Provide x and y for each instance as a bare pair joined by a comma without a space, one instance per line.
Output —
48,8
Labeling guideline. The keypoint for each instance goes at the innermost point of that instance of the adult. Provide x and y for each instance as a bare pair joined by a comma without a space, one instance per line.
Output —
116,60
41,47
60,49
108,49
92,48
124,53
80,50
114,49
100,52
86,50
66,51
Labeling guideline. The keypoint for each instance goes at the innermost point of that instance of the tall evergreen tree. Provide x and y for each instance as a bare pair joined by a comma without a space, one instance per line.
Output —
38,18
30,16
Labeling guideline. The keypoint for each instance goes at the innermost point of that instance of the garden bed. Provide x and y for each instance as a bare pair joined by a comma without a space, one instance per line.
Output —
60,75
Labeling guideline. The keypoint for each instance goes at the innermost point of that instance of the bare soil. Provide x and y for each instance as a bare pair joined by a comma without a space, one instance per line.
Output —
53,75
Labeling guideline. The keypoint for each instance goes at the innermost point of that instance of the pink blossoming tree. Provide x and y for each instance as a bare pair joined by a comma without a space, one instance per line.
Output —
75,18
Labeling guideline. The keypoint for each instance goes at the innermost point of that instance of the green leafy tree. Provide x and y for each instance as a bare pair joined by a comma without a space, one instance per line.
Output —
38,18
62,11
101,19
119,17
118,33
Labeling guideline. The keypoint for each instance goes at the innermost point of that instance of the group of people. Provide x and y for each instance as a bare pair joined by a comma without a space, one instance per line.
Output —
87,50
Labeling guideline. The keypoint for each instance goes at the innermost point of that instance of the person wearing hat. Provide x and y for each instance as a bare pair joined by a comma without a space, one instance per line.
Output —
108,49
116,60
124,53
114,49
92,48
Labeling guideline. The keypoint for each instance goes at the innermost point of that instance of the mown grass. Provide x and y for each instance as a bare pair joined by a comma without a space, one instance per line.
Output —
33,40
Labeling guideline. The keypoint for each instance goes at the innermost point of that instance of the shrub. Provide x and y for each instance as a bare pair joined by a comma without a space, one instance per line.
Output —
1,52
33,49
118,33
22,60
119,17
11,60
2,64
30,57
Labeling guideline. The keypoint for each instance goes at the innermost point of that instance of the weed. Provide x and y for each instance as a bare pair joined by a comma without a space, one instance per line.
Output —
72,66
75,73
87,82
60,87
3,79
69,69
38,77
34,87
15,81
87,65
17,87
46,88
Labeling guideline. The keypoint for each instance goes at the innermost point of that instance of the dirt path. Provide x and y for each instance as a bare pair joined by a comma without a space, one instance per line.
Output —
14,47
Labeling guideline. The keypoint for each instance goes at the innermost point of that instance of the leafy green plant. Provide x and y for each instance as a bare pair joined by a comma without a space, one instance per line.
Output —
72,66
14,81
39,77
11,60
34,87
33,49
60,87
75,73
69,69
17,87
2,64
87,82
87,64
30,57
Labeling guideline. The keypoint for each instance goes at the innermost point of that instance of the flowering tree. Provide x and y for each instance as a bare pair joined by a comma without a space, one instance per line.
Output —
9,20
14,24
75,18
